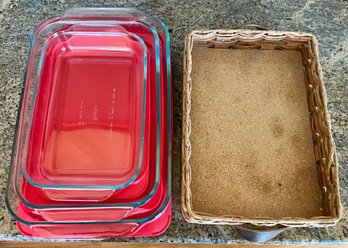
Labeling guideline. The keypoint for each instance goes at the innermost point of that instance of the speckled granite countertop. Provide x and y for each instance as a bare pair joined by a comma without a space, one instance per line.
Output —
327,19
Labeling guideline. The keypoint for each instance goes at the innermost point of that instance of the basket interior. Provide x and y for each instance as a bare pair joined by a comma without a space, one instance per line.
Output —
252,137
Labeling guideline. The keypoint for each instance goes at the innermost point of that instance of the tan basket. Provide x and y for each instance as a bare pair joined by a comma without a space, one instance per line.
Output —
324,148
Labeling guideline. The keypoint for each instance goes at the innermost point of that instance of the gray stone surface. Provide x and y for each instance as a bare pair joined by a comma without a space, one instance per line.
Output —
327,19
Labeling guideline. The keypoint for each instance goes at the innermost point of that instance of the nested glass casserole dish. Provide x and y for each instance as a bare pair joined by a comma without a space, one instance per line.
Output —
145,30
80,120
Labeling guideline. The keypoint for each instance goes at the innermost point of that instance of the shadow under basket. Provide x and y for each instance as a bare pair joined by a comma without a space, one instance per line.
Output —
258,152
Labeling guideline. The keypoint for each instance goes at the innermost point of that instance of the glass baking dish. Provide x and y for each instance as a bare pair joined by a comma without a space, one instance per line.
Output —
54,191
52,209
88,108
31,197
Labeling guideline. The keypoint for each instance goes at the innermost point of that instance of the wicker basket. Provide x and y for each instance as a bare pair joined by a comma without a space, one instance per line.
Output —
324,148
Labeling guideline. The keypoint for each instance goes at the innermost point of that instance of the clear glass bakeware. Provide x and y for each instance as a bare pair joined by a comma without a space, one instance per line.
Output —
130,23
58,191
168,115
88,117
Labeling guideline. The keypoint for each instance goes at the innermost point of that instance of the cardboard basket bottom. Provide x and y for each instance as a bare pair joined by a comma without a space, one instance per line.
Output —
257,145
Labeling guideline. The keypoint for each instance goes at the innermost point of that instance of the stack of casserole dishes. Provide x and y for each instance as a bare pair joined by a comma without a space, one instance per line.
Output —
92,152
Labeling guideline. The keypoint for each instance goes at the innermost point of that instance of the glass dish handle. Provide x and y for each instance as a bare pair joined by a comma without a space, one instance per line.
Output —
71,231
107,13
96,214
76,195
